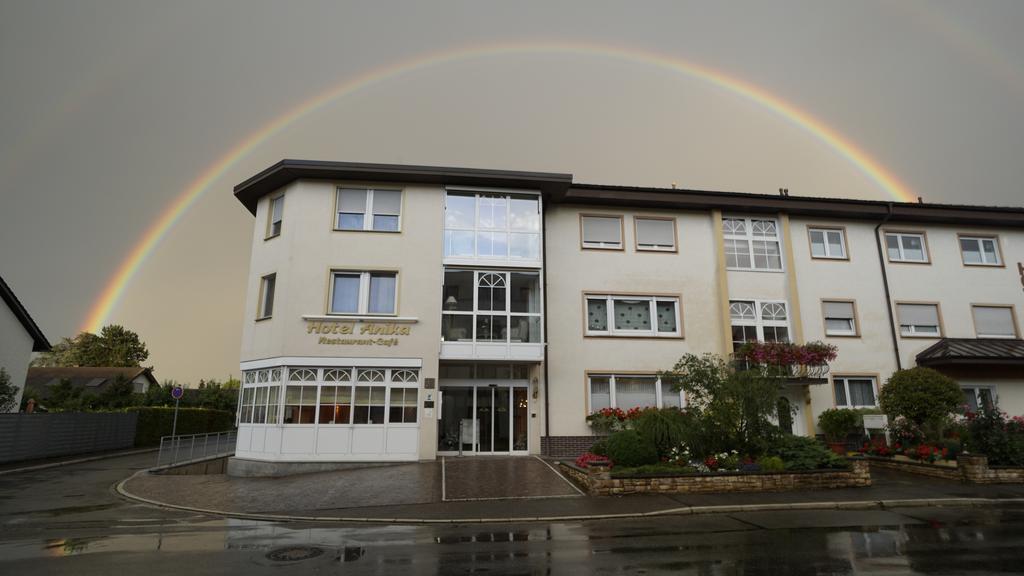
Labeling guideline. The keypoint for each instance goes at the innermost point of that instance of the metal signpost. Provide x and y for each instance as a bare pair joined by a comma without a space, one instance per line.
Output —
176,393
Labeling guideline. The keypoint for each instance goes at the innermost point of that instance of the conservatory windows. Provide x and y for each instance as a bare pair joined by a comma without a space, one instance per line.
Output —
492,226
752,244
756,320
491,306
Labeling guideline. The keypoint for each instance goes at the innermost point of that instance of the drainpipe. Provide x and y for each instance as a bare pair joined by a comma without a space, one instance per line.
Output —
885,284
544,303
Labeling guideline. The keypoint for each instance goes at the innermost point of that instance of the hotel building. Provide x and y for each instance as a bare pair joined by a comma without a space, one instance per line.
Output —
404,312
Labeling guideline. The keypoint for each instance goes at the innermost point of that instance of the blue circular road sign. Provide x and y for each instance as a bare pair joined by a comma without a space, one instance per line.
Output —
177,392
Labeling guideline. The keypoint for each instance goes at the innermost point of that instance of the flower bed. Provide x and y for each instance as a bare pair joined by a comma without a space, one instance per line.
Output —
598,480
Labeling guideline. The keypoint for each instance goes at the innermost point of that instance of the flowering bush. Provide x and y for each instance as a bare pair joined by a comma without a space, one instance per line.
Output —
787,353
588,458
906,431
992,433
926,453
607,420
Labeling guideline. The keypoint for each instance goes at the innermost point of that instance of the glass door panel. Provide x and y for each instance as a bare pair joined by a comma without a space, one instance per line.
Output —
520,417
502,420
456,420
484,418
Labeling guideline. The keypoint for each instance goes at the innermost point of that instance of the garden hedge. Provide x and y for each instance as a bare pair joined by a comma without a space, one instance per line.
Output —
156,421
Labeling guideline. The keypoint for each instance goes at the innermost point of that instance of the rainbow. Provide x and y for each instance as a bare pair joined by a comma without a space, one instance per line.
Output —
870,167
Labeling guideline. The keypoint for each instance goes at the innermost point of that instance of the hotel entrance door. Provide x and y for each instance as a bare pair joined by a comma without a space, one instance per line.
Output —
483,419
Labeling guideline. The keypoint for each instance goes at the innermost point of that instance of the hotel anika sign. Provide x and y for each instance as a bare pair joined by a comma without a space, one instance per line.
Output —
347,333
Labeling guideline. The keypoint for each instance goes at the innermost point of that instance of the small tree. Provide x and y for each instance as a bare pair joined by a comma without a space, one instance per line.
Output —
735,407
925,397
8,392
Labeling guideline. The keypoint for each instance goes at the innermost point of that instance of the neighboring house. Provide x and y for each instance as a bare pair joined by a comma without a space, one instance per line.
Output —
406,312
94,380
19,338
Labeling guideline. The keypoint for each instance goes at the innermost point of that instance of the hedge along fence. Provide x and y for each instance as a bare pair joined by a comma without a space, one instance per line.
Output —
157,421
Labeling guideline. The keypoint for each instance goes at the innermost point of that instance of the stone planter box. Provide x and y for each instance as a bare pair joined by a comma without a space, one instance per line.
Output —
969,468
598,481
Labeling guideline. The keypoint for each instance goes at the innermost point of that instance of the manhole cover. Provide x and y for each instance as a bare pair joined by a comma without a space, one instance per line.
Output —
294,553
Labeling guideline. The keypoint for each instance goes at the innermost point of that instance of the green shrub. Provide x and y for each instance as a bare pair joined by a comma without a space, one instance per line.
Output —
664,427
991,433
629,448
803,453
771,464
923,396
600,447
652,469
155,422
838,423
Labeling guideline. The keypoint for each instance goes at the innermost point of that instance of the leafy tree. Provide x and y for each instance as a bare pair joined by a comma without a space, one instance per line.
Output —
736,407
119,394
64,397
114,346
923,396
8,392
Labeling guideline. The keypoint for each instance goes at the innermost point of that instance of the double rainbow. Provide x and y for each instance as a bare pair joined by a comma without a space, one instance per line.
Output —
115,287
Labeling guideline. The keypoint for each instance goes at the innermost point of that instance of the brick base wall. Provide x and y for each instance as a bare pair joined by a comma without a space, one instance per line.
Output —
970,468
924,469
566,446
597,481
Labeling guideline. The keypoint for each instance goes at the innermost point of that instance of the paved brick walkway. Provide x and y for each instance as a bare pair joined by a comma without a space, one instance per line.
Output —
492,477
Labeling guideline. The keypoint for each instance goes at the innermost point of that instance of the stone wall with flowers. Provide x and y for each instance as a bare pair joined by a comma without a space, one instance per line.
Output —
598,481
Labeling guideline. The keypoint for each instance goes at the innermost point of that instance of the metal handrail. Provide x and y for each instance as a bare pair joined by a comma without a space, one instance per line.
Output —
185,448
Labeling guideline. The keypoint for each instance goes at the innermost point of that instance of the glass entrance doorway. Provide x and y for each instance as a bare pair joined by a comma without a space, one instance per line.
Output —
483,419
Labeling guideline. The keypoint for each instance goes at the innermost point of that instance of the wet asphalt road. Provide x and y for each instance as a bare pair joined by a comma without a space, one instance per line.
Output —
69,521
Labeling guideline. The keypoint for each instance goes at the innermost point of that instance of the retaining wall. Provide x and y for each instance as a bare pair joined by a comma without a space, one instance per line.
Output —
598,481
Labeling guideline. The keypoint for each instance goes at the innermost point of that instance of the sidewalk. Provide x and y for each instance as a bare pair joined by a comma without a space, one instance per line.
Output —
415,493
43,463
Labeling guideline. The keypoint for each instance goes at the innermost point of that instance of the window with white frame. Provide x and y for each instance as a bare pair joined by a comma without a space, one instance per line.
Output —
854,391
259,402
369,209
275,216
840,317
343,396
980,251
827,243
492,225
919,319
906,247
620,315
363,292
977,396
757,320
655,234
752,244
626,391
491,306
603,232
994,321
268,285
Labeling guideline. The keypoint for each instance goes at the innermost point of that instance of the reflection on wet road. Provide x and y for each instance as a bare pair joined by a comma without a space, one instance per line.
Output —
68,521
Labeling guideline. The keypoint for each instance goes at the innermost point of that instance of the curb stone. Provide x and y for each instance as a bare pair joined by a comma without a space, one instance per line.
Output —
121,489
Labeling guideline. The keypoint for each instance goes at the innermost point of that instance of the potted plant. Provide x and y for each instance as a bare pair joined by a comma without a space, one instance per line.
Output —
837,423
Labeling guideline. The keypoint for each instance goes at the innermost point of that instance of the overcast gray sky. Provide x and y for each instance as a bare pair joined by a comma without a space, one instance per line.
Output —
109,110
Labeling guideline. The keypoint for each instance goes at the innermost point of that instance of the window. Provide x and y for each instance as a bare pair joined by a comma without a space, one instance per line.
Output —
274,216
369,397
994,322
980,251
300,404
854,391
755,320
906,247
489,306
267,285
977,396
368,209
631,391
338,396
919,320
259,400
363,292
632,316
602,232
403,405
840,317
655,234
752,244
828,243
492,226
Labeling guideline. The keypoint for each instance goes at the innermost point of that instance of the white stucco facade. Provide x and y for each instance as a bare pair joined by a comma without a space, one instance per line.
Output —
522,303
15,350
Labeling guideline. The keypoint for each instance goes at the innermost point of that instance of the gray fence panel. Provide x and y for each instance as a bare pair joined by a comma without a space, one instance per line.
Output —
32,436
